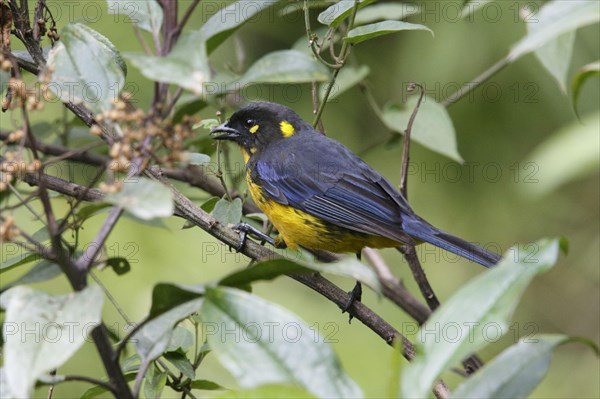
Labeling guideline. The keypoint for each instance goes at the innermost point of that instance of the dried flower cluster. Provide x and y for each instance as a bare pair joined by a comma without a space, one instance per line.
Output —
8,229
137,135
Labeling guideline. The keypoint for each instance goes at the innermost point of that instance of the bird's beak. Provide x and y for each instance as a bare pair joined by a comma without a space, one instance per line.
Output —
227,133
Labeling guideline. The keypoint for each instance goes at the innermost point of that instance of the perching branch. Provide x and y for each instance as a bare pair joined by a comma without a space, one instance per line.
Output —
188,210
197,177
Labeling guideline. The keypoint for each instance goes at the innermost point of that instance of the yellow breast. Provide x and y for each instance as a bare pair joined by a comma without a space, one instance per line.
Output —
300,228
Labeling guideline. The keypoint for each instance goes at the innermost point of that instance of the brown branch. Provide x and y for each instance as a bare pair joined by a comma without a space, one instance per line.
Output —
198,177
188,210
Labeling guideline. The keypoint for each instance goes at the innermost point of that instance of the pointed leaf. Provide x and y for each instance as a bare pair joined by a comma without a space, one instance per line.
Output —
154,382
554,19
336,13
370,31
43,271
86,212
59,325
555,56
154,337
181,341
167,296
18,261
516,372
146,14
230,18
285,66
186,65
228,212
144,198
85,67
432,127
205,385
581,76
181,363
286,351
467,318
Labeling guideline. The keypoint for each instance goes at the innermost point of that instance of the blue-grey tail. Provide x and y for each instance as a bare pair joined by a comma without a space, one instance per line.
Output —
421,230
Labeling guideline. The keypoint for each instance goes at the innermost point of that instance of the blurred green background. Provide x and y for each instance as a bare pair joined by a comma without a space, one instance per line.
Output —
490,199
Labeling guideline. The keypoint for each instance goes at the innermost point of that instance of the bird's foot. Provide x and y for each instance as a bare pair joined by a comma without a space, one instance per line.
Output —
354,295
244,229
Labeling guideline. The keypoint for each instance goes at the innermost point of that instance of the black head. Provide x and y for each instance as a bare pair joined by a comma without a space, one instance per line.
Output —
259,124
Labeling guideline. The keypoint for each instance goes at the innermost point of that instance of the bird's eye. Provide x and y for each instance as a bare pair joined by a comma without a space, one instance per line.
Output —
249,123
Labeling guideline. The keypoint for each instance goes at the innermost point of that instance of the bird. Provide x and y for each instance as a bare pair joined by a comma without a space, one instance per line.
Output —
318,194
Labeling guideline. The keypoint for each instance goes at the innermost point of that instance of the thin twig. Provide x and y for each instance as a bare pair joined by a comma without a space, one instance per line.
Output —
344,51
470,86
406,142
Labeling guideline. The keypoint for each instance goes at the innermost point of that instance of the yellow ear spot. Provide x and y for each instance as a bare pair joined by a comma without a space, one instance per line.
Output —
253,129
287,129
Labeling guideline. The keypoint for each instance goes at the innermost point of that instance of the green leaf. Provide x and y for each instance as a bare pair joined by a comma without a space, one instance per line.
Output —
580,77
569,154
285,66
43,271
460,326
370,31
86,212
119,265
554,19
85,67
144,198
153,339
270,269
228,212
378,12
432,127
186,65
270,391
230,18
515,372
555,56
146,14
181,363
167,296
154,382
59,323
98,390
288,352
348,77
209,204
195,158
205,385
336,13
17,261
132,363
182,340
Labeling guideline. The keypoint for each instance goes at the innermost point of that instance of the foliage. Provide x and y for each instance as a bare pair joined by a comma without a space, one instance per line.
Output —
133,150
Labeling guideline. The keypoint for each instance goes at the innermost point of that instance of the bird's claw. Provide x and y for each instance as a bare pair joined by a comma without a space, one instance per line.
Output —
353,296
244,229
